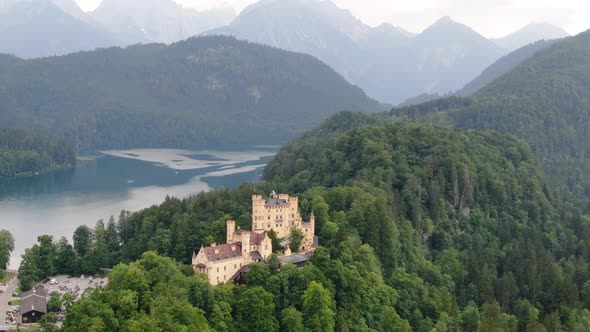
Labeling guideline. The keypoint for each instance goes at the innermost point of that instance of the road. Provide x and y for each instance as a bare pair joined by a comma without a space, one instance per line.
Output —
5,297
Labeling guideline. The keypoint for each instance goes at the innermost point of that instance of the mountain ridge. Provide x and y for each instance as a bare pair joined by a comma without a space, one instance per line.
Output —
543,100
530,33
49,30
157,20
108,97
373,58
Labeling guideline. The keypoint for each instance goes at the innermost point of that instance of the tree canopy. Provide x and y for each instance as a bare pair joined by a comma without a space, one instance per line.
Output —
25,153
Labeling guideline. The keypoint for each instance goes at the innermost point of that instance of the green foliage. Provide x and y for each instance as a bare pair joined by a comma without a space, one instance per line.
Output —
24,153
48,323
255,311
37,262
295,239
54,303
317,308
6,248
292,320
544,101
156,95
151,292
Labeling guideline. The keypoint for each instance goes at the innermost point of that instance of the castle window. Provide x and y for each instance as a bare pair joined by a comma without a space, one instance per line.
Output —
217,269
225,268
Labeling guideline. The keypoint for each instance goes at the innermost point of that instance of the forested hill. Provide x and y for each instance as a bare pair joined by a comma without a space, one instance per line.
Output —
447,210
196,93
24,153
421,229
545,101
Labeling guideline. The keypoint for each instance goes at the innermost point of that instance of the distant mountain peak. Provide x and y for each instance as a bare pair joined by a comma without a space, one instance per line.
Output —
445,19
445,28
163,21
530,33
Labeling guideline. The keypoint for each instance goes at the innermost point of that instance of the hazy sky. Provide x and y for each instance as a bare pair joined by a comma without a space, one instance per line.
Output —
492,18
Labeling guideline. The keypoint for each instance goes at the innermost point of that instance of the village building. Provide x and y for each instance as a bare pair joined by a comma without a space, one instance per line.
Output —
280,213
33,305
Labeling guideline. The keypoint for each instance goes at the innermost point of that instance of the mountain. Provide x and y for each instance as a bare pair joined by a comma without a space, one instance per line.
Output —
313,27
529,34
162,21
448,54
545,100
47,29
58,27
210,91
71,7
503,66
443,58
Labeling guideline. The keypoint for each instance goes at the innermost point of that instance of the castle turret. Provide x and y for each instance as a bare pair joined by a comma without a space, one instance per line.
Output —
246,247
231,230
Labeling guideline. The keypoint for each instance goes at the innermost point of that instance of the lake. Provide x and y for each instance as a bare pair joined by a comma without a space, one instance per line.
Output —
59,202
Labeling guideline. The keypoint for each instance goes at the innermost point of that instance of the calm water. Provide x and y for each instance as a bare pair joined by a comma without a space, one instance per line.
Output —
57,203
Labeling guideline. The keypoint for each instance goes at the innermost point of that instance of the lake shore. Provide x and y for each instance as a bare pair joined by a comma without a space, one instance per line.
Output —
131,180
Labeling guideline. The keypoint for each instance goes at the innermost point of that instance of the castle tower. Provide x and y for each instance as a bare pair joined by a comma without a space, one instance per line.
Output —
246,247
230,231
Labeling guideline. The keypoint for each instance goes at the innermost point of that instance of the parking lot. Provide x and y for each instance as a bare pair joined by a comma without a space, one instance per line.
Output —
75,285
61,284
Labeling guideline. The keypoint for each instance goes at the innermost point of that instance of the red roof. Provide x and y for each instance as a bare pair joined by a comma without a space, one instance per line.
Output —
255,238
223,251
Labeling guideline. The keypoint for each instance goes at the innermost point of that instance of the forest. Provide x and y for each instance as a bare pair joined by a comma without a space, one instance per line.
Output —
196,93
25,153
545,101
421,228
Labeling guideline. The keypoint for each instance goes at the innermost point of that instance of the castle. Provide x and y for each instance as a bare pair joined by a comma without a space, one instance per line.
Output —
279,213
